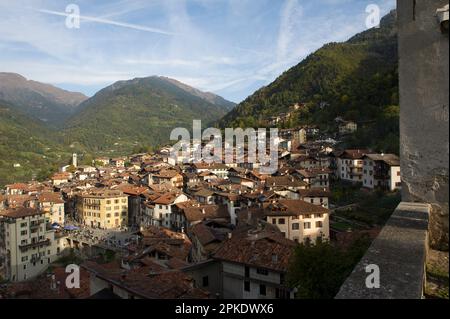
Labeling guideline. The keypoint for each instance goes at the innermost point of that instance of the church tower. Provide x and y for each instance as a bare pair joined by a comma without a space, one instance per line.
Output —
74,160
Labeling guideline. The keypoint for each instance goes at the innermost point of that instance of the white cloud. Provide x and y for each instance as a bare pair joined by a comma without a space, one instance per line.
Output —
290,15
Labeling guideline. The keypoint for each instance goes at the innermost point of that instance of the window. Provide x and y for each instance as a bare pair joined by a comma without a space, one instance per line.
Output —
282,279
281,221
247,271
261,271
319,224
108,215
205,281
23,225
274,221
307,216
262,290
295,226
307,225
312,200
23,232
246,285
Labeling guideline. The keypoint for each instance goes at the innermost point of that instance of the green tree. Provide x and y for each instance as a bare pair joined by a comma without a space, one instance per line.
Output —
318,271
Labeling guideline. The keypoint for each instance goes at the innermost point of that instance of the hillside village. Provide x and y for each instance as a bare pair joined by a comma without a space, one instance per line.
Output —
151,226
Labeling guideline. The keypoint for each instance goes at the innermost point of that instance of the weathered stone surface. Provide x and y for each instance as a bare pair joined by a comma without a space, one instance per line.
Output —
424,111
400,253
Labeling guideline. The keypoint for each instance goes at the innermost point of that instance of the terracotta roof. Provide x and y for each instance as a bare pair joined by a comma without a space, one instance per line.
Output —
50,198
166,199
204,192
204,212
264,250
18,200
390,159
314,192
168,285
292,207
20,212
20,186
61,176
167,173
354,154
207,235
132,189
285,181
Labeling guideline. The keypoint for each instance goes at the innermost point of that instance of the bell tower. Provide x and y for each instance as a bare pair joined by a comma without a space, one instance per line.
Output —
74,160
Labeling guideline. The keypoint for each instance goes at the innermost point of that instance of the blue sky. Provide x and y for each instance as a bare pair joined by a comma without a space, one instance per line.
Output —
229,47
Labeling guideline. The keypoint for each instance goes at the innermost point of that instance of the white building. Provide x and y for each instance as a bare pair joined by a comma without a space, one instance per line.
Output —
53,205
163,209
350,165
27,244
298,220
382,171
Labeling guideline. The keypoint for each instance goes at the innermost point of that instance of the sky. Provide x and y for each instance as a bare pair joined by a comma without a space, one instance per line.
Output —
229,47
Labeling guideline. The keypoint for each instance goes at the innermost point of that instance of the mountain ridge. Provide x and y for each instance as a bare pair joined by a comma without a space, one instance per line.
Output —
140,112
41,101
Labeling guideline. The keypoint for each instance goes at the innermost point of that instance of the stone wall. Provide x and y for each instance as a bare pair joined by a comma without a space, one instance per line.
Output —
424,117
395,261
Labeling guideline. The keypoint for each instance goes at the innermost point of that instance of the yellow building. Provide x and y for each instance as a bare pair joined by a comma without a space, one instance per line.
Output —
298,220
107,209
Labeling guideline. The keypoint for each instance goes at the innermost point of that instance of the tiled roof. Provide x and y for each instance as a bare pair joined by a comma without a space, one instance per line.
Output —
354,154
265,250
313,192
390,159
167,285
50,198
20,212
292,207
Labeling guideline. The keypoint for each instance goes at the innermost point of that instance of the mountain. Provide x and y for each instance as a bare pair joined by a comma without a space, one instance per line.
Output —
28,143
139,113
208,96
40,101
356,80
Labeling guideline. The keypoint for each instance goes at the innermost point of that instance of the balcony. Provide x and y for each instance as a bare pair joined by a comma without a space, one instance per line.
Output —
41,243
